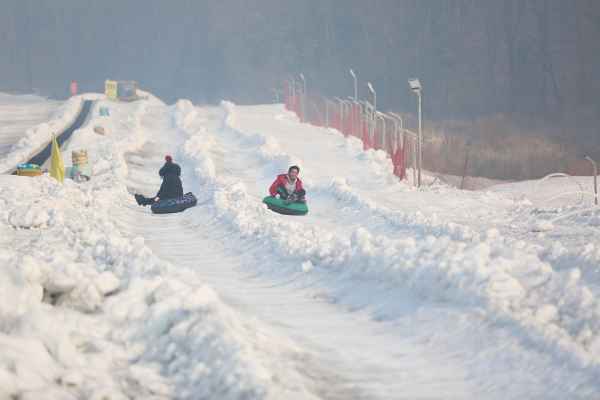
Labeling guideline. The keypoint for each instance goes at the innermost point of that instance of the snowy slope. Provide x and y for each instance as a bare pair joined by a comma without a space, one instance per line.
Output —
18,114
381,291
33,139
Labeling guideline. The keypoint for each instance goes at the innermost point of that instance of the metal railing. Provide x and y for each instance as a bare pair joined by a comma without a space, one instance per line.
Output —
377,130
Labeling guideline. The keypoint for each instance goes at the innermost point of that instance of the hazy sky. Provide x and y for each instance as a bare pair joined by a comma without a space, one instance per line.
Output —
531,58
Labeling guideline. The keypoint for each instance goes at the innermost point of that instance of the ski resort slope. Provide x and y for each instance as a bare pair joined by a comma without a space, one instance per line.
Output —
28,124
19,113
381,291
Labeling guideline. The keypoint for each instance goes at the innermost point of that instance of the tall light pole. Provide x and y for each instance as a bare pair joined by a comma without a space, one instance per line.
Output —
355,84
415,86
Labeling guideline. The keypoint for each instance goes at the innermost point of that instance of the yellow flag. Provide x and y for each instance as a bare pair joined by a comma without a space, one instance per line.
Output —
57,167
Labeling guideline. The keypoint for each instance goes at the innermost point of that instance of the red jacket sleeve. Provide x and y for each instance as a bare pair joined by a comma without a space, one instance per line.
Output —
274,186
299,184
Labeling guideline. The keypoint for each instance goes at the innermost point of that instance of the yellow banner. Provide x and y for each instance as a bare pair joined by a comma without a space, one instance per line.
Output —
57,168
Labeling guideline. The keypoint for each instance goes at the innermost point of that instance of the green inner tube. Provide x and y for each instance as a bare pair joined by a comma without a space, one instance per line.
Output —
278,205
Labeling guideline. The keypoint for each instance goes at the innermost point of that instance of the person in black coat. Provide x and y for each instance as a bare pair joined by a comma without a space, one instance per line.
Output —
170,188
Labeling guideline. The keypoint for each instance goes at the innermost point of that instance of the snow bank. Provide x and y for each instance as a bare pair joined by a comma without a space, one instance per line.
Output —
508,281
203,346
40,135
66,259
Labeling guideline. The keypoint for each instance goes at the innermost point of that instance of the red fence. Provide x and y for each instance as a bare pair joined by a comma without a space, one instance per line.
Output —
376,130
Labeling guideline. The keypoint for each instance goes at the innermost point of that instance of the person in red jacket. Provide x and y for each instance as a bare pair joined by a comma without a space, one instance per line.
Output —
288,186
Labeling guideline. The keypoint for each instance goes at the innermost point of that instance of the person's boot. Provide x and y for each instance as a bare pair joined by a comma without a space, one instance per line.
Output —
139,199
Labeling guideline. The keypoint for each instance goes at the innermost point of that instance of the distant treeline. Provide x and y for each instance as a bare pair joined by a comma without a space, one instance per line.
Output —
533,61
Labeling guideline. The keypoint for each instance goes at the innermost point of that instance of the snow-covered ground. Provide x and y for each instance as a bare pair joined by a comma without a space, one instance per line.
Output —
51,118
381,291
19,114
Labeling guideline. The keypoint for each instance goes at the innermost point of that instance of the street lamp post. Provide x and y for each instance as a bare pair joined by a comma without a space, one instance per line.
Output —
355,85
415,86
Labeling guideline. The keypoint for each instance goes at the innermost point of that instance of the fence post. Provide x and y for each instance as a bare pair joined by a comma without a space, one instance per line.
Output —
286,94
395,149
403,140
381,117
414,148
356,115
367,125
595,167
340,120
462,181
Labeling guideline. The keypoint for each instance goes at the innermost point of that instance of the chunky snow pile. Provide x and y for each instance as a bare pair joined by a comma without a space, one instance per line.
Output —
203,347
63,261
89,311
560,210
462,264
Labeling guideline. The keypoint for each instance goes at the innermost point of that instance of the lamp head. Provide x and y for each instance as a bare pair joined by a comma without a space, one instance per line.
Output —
370,87
415,85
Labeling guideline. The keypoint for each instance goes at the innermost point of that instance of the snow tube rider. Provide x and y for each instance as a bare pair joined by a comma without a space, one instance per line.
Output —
289,187
170,188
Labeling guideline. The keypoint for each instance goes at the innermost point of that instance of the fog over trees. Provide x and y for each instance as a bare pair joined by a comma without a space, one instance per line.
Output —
535,62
